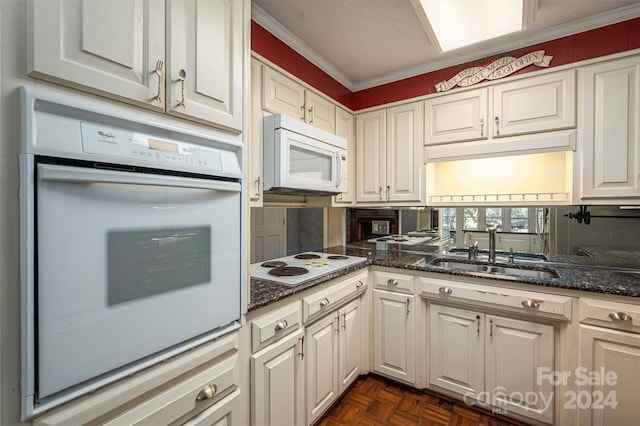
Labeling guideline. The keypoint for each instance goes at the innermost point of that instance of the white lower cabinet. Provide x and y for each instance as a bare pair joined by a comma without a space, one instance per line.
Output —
492,360
333,352
277,377
610,363
394,335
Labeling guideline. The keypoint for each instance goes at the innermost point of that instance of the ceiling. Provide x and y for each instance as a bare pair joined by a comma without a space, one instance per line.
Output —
365,43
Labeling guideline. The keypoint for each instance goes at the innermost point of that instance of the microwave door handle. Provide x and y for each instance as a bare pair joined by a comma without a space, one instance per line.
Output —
69,174
339,167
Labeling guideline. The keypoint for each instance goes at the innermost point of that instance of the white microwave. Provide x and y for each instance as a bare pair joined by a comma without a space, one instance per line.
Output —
300,159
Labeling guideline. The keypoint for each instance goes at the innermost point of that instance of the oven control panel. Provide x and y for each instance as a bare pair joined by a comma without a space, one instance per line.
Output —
122,143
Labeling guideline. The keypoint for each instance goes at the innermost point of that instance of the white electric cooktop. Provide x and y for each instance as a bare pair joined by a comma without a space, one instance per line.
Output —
296,269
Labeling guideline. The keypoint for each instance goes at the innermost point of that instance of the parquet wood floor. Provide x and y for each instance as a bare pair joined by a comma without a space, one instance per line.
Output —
376,401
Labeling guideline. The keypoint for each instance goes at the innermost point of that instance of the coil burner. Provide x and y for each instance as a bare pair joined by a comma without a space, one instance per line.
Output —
288,271
306,256
273,264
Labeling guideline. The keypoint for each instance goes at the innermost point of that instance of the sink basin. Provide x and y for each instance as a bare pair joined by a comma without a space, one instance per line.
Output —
484,268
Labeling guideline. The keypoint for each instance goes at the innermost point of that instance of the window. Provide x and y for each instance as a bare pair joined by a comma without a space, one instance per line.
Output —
520,220
493,217
470,219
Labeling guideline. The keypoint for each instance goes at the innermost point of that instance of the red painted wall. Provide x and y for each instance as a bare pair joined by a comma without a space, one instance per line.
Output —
590,44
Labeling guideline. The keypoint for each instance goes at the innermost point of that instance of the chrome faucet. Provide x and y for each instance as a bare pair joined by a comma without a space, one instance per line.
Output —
492,242
473,250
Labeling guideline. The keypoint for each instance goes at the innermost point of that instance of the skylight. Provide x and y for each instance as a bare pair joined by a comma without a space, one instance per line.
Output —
458,23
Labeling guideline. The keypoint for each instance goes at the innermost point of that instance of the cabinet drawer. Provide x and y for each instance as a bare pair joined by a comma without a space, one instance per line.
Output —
527,302
187,398
393,282
274,325
327,299
621,316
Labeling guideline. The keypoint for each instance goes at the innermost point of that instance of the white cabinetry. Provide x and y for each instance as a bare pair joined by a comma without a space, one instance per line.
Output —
278,383
394,348
333,357
333,343
504,241
610,349
345,127
493,359
113,48
610,135
389,155
277,373
496,113
281,94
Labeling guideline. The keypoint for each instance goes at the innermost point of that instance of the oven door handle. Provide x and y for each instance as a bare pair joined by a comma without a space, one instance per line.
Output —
48,172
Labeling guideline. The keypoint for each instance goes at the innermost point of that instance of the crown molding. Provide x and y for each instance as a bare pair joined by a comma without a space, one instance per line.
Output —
287,37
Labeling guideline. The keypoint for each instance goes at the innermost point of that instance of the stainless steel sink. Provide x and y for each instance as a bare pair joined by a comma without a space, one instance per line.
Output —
484,268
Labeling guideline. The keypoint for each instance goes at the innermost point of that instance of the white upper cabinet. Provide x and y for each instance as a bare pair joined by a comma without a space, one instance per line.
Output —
116,48
611,145
537,104
389,155
345,127
504,118
457,117
281,94
204,60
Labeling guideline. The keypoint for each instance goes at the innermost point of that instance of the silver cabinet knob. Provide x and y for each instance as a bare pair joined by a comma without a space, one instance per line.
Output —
530,304
324,302
620,316
392,282
208,392
445,290
360,284
281,325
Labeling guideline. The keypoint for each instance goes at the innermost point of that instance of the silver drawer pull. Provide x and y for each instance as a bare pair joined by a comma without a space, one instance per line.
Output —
445,290
208,392
620,316
281,325
360,284
324,302
530,304
392,282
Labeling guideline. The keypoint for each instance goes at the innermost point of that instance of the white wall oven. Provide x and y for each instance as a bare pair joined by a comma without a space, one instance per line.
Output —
130,243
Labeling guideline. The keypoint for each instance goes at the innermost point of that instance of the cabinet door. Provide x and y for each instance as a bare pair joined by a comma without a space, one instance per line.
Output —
611,157
345,127
404,166
516,352
394,335
350,344
277,380
282,95
517,242
321,351
613,401
254,187
109,47
456,350
371,156
536,104
456,117
204,61
320,112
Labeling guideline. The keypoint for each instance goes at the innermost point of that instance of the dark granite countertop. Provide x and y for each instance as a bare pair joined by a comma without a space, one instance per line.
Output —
610,273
